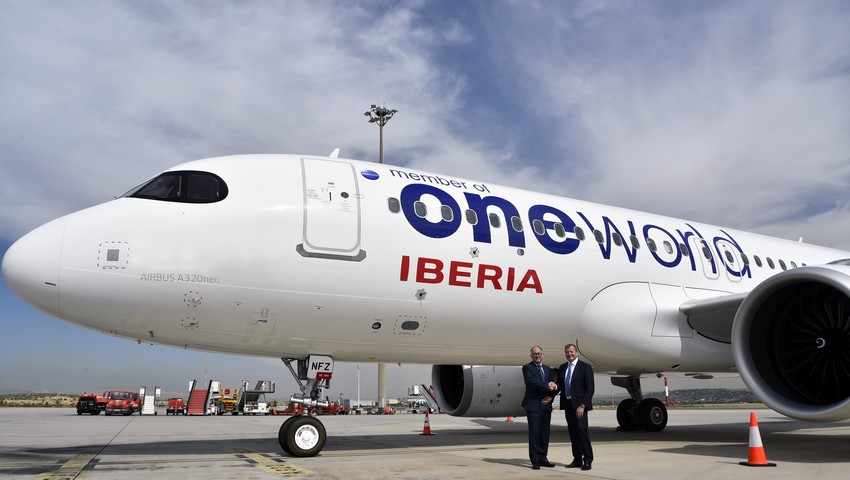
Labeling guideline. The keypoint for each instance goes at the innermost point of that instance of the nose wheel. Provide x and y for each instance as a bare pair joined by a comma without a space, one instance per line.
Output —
302,436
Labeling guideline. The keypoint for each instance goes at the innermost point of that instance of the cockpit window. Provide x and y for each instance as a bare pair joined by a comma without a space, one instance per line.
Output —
183,186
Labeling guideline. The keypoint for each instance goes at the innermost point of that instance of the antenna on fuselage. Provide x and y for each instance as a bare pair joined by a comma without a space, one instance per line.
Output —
334,154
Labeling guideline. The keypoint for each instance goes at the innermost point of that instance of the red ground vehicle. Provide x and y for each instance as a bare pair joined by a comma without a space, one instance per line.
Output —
123,402
333,408
91,403
287,409
175,407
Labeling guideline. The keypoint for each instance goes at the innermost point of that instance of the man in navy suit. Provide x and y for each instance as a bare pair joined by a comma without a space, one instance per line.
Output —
575,381
539,392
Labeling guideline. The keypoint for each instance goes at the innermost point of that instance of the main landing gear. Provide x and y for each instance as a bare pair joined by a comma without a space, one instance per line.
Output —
304,435
638,413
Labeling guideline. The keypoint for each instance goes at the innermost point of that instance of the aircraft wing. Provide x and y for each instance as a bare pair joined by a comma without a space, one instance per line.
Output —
713,317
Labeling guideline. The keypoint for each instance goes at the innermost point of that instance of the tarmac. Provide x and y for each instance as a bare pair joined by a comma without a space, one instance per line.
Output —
698,443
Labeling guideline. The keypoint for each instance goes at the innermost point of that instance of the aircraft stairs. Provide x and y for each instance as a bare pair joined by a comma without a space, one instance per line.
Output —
149,400
428,394
251,397
197,402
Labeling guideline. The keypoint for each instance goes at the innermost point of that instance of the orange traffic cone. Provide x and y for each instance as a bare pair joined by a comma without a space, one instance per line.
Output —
756,457
427,429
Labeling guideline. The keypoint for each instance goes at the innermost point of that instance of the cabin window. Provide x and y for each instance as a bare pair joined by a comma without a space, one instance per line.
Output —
684,250
538,227
560,231
745,259
516,222
651,244
579,233
770,263
706,252
793,264
758,260
447,213
394,205
471,217
668,247
420,209
730,258
635,242
618,240
495,221
598,236
782,264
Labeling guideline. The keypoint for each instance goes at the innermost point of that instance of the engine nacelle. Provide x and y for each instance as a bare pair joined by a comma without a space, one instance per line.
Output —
479,391
791,342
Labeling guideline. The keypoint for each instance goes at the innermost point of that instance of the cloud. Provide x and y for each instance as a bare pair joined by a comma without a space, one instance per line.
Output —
735,114
103,97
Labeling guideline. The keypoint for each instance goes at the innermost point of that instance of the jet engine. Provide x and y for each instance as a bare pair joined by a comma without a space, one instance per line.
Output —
479,391
791,342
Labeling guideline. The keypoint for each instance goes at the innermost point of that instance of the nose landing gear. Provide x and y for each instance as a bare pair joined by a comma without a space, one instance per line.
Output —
304,435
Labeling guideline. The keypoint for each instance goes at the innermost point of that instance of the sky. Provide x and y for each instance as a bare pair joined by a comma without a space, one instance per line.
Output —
724,112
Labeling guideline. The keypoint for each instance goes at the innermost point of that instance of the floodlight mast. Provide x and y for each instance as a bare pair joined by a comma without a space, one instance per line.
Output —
380,115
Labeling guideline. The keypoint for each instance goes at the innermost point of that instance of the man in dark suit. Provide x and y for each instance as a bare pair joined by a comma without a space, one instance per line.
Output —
539,392
575,381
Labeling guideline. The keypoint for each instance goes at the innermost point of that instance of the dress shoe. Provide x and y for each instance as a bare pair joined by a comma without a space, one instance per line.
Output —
547,463
573,465
535,466
586,466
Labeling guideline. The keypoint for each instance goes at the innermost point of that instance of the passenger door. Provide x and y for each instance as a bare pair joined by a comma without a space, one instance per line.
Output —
331,210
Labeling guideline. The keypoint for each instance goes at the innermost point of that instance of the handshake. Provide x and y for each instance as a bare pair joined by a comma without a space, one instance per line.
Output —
553,386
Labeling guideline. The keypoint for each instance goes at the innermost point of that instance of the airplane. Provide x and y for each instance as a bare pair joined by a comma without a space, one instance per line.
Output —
317,259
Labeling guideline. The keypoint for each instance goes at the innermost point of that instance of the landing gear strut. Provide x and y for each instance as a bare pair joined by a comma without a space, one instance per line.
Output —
304,435
638,413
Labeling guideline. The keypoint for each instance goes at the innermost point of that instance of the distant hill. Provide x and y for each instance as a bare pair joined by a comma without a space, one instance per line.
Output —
58,400
695,396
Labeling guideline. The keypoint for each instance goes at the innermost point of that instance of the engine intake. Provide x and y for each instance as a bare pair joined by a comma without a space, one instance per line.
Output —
479,391
791,342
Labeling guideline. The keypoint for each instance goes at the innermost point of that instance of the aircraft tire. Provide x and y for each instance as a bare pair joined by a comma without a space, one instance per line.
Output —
625,417
282,434
302,436
652,414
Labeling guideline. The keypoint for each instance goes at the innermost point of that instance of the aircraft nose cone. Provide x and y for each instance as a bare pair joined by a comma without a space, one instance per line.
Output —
31,266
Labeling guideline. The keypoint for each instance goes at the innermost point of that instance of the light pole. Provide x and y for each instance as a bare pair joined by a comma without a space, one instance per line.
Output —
358,386
380,115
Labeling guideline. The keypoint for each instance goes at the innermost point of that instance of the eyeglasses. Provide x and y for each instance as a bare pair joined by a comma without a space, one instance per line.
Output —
537,353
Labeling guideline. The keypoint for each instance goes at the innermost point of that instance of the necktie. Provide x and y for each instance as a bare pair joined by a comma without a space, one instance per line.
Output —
542,374
567,380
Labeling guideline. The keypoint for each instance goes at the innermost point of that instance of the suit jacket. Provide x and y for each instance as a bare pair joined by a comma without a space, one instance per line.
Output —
536,388
581,386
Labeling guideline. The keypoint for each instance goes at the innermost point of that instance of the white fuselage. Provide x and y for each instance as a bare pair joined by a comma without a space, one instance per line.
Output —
306,255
